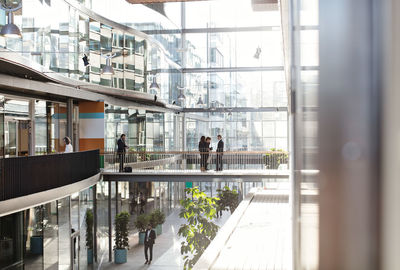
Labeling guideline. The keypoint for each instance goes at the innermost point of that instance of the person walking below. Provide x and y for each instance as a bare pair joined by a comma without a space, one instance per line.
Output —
149,240
207,150
202,150
220,152
142,201
121,151
68,145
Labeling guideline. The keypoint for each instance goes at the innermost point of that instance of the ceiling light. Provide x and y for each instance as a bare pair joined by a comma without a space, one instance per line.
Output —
154,85
258,52
108,69
85,60
181,97
200,102
10,30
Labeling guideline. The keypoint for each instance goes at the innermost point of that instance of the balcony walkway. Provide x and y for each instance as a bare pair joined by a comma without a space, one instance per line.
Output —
245,175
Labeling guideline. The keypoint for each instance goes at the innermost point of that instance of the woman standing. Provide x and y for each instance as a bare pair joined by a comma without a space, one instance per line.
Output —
68,145
202,150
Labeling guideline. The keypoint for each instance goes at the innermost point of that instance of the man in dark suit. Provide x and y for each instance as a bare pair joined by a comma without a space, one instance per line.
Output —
121,151
149,238
220,152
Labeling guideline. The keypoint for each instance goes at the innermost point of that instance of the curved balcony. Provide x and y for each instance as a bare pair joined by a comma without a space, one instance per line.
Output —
23,176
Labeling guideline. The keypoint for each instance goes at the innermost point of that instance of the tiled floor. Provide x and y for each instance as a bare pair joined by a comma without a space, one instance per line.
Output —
166,251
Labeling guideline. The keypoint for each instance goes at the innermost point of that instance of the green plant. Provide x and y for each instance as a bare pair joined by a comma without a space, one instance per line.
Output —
141,222
275,158
121,230
157,217
89,228
228,199
199,211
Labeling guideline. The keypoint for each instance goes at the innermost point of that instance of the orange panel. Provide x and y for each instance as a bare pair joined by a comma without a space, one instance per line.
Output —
91,144
91,107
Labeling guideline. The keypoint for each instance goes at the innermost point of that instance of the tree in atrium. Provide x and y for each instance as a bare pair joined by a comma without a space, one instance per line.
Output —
199,211
228,199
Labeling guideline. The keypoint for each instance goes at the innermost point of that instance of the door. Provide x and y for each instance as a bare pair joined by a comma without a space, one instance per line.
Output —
75,248
10,138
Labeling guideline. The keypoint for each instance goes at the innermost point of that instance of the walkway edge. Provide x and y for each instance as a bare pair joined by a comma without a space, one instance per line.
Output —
212,252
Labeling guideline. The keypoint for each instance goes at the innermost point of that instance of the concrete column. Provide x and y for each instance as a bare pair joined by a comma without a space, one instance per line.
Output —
70,113
31,131
184,132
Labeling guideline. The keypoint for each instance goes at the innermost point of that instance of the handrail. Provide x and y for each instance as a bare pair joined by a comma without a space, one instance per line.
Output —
194,160
196,152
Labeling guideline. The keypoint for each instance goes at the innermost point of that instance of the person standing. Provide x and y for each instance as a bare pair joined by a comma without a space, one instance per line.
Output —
207,155
68,145
220,152
121,151
142,201
202,150
149,240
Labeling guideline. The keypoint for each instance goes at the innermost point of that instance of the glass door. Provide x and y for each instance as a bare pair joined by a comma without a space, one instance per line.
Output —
10,137
75,248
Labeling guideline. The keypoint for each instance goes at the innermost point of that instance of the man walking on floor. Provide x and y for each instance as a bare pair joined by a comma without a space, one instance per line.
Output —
220,152
149,238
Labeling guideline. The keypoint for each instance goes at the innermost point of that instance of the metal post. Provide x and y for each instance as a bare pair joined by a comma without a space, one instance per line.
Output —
31,130
183,140
94,190
109,224
349,127
70,113
116,198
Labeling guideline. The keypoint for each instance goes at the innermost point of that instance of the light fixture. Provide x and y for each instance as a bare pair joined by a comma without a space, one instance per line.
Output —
10,30
108,69
213,106
200,102
258,52
85,60
154,87
181,97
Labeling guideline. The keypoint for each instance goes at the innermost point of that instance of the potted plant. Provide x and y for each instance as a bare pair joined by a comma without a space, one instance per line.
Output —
141,223
275,158
121,237
157,218
89,235
36,240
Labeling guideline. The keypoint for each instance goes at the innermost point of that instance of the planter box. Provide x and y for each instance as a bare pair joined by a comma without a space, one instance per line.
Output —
120,256
141,237
37,245
159,229
90,256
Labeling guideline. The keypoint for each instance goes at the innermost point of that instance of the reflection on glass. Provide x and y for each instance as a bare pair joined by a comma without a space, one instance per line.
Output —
36,220
64,238
86,206
50,237
11,248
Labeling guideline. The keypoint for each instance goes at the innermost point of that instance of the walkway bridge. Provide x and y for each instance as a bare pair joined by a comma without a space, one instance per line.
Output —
185,167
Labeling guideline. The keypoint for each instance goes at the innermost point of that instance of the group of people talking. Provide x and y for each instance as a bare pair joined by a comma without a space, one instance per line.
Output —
205,149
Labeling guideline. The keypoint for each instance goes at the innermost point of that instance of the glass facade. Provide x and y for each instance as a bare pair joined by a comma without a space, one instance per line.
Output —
49,236
233,81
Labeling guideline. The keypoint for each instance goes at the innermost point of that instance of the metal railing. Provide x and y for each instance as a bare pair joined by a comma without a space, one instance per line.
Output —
260,160
28,175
